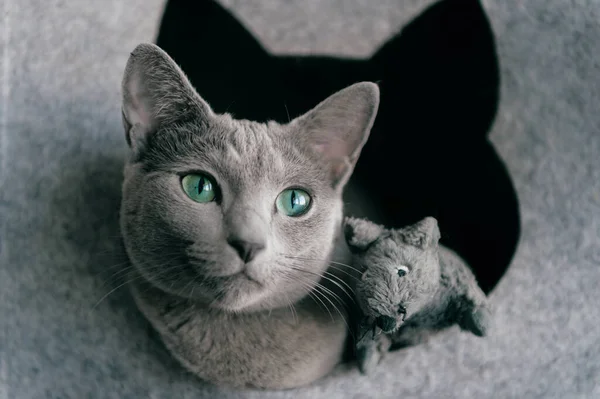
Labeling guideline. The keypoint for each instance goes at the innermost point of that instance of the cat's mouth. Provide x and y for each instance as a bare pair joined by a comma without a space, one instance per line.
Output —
237,292
243,277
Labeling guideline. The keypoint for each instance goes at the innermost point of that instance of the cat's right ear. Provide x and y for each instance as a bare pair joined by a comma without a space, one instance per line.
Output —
361,233
156,93
338,128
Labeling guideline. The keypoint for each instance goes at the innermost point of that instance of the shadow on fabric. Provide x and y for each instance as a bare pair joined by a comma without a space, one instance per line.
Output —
428,154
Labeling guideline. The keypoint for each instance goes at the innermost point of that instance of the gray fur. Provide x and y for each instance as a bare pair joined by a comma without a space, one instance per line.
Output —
438,291
225,320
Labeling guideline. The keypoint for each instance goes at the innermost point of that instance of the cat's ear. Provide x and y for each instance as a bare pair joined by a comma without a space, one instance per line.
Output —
156,93
422,234
361,233
338,128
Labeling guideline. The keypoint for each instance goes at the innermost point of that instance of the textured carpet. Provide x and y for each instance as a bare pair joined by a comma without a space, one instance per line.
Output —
61,150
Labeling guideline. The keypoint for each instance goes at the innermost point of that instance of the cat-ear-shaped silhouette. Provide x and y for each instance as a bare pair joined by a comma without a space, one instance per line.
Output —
156,92
338,128
423,234
361,233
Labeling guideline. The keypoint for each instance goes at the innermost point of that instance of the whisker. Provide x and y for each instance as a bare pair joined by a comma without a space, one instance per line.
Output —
293,310
175,269
333,294
121,268
334,266
317,287
330,279
337,268
300,266
113,290
321,260
113,266
321,289
346,265
309,290
185,287
128,266
126,260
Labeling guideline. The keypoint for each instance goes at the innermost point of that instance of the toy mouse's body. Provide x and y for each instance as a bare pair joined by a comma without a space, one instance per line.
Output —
411,287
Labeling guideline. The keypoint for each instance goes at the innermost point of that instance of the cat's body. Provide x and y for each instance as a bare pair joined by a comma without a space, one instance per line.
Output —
280,348
230,222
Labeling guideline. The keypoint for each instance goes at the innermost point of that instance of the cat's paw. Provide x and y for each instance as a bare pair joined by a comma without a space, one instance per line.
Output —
477,321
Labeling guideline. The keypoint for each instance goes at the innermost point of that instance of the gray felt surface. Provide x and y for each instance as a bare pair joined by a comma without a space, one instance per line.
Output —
61,149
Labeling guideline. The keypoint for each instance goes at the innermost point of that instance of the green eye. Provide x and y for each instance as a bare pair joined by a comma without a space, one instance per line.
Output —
199,187
293,202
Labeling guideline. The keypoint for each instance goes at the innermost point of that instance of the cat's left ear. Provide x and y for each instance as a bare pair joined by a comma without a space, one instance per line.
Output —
339,127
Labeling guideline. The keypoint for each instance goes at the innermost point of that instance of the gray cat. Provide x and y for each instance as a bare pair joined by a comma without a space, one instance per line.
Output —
411,287
230,224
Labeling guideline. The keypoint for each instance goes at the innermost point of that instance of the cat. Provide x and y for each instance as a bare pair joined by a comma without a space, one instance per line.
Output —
231,225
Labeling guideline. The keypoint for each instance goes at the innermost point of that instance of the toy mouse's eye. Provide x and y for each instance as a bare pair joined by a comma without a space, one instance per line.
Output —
402,271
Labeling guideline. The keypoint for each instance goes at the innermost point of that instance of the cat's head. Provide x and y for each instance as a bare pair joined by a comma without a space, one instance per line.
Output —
401,268
237,214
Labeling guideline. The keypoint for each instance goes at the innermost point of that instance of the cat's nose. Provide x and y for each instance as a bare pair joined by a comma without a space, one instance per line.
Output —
246,250
386,323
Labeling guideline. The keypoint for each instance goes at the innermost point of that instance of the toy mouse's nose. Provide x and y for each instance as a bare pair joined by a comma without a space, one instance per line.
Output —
386,323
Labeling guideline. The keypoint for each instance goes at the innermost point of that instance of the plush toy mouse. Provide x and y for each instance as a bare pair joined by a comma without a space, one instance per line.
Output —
410,288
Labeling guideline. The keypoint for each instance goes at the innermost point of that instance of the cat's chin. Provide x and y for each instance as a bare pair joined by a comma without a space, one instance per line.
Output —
237,293
242,294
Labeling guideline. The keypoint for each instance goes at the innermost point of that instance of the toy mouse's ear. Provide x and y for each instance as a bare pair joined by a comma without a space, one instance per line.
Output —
429,226
361,233
422,234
